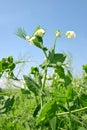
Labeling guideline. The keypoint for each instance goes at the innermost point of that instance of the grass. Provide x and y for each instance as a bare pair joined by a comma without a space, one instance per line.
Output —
20,116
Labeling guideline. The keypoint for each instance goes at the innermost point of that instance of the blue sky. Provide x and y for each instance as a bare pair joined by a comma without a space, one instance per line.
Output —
51,15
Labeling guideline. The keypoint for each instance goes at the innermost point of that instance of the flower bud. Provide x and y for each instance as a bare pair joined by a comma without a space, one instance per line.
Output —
40,32
31,40
70,34
27,38
58,33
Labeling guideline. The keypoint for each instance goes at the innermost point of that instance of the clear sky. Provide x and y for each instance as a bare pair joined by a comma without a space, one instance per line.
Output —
51,15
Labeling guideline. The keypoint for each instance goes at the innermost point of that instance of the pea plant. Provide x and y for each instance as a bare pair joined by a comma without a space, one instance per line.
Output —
56,102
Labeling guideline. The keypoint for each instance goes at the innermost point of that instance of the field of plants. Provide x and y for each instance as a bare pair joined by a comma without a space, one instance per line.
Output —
50,97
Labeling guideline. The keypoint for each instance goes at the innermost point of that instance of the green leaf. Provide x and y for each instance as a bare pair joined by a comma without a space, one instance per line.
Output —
51,54
10,59
36,110
83,99
63,108
11,66
70,93
24,91
85,68
68,78
38,41
0,66
32,85
5,63
34,70
47,113
82,128
21,33
8,105
53,123
58,57
38,27
60,71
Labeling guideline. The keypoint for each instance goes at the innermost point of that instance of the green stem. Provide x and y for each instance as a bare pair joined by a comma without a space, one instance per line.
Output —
45,71
45,54
43,85
73,111
71,127
44,79
55,43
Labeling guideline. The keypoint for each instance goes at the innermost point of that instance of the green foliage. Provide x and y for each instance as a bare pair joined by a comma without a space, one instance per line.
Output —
7,105
38,107
7,65
85,68
48,111
32,85
53,123
21,33
38,42
56,58
57,102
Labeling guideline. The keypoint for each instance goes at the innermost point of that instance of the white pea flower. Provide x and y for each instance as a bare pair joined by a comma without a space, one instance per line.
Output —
57,33
27,38
70,34
31,40
48,77
40,32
